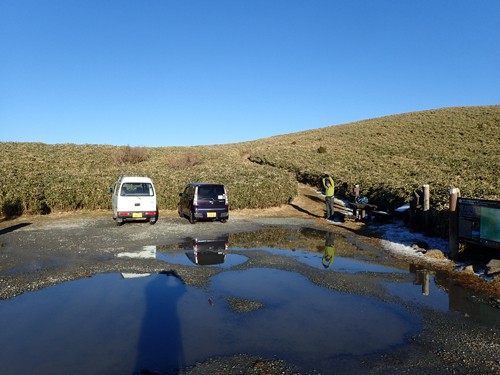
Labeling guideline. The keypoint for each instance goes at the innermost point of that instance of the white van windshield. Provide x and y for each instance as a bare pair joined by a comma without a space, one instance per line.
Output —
137,189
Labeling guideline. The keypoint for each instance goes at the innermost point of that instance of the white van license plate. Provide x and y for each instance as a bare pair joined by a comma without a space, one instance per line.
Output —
136,214
211,214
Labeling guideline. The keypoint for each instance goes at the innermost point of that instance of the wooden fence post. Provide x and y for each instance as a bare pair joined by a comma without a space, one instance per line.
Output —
426,207
453,223
355,210
426,283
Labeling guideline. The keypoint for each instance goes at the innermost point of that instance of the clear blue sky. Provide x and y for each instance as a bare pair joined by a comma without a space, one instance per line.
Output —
203,72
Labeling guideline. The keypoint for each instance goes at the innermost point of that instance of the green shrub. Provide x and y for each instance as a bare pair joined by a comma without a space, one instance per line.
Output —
12,207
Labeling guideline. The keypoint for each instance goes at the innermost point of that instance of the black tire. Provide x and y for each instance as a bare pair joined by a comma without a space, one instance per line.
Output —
192,220
119,222
153,220
223,220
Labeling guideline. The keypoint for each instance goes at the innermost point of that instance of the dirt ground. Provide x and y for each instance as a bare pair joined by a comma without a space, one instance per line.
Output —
37,252
308,207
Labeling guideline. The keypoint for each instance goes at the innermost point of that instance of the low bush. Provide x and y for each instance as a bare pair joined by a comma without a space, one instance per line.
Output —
129,155
184,160
12,207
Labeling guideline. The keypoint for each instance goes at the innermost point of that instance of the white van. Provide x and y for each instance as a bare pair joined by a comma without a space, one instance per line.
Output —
134,198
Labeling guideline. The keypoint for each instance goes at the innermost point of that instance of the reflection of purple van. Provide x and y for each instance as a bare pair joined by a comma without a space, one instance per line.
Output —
208,252
207,258
201,201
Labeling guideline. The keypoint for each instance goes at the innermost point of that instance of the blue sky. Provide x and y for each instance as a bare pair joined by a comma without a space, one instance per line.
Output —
202,72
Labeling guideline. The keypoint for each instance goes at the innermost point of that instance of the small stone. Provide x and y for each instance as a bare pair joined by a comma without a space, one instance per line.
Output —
420,245
435,254
469,269
493,267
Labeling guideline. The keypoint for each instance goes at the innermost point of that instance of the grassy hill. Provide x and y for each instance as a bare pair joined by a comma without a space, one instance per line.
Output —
391,156
388,157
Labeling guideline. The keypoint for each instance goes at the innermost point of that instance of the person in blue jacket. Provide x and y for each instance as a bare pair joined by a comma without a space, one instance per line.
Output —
329,199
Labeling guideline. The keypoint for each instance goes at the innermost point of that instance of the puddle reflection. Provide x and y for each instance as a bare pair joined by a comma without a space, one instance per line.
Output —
125,323
110,324
428,294
202,258
438,293
207,252
202,252
329,253
338,264
307,324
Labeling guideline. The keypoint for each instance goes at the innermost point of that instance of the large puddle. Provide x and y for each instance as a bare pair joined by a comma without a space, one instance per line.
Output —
125,323
113,324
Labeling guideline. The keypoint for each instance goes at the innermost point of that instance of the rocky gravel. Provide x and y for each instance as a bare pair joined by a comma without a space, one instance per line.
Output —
38,252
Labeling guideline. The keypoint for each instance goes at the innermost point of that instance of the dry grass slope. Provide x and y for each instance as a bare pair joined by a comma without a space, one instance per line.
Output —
391,156
388,157
38,178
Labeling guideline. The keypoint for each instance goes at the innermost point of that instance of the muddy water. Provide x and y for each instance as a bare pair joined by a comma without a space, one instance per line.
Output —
122,323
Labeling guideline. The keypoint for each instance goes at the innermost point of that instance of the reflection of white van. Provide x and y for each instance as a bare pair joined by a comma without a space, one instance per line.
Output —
134,198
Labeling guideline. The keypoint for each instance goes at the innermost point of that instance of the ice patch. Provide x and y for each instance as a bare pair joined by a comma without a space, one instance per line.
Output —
398,238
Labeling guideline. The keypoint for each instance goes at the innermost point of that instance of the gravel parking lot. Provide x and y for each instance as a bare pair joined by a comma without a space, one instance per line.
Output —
43,251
